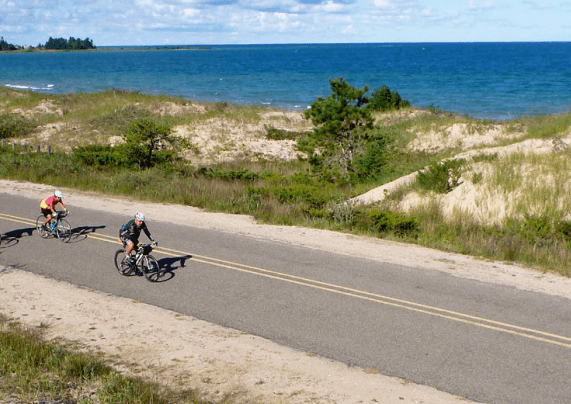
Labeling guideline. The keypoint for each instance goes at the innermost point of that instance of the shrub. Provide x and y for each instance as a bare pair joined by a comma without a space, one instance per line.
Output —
302,192
13,126
441,177
99,155
281,134
385,100
386,222
228,175
343,212
146,141
564,228
369,165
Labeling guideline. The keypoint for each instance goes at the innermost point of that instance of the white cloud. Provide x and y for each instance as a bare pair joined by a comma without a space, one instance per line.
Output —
486,5
541,5
128,22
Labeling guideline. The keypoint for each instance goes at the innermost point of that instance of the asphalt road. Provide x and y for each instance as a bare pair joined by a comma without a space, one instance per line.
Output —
489,343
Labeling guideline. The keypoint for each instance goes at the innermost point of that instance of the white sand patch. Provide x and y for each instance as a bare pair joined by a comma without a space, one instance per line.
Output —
45,132
460,135
173,109
45,107
218,140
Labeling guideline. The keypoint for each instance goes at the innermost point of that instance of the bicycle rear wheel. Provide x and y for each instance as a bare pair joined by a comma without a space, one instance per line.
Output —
42,231
122,263
151,269
63,230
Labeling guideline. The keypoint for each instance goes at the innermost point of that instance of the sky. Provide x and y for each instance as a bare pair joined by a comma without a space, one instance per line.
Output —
217,22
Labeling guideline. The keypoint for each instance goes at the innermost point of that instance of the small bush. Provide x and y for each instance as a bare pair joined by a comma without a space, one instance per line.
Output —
564,229
311,194
99,155
228,175
343,213
370,164
13,126
441,177
385,100
386,222
281,134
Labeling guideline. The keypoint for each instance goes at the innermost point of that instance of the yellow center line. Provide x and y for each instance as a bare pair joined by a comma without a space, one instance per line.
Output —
351,292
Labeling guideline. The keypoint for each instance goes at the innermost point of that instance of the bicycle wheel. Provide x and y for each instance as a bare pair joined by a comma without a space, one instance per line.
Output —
122,263
151,269
42,231
63,230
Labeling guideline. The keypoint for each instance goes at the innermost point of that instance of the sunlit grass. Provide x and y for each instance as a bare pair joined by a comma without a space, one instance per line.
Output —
35,370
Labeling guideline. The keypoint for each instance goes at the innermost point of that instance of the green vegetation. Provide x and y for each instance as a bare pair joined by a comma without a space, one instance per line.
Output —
313,190
343,138
34,370
5,46
14,126
52,44
67,44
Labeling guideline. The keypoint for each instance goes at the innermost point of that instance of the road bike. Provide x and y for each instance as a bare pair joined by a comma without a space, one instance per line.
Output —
139,262
57,227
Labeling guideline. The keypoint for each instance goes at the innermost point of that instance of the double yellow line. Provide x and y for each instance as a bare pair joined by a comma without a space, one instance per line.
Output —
350,292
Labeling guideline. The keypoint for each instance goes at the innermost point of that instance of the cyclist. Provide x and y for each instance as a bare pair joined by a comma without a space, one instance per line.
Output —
130,232
48,206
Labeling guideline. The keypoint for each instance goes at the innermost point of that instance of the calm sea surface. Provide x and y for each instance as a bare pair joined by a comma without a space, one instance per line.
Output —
483,80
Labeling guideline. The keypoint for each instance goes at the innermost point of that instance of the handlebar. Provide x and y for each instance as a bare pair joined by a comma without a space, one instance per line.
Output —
142,247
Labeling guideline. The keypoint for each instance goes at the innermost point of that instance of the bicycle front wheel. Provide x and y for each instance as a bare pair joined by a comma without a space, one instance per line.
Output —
122,263
151,269
42,231
63,230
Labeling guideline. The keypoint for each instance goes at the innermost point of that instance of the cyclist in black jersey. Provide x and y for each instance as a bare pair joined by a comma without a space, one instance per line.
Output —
130,232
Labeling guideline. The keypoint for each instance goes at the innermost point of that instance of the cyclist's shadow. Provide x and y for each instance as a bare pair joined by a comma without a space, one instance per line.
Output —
81,233
168,264
12,237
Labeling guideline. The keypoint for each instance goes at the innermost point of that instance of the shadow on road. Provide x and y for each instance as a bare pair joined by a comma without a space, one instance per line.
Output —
81,233
12,237
169,263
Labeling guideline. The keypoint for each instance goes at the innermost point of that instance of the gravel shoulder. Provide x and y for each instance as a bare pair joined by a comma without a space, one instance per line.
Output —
217,361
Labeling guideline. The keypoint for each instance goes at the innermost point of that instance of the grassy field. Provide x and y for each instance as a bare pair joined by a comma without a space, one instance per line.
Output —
518,211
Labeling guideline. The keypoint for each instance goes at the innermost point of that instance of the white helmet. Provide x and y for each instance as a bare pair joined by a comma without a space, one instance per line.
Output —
139,216
58,194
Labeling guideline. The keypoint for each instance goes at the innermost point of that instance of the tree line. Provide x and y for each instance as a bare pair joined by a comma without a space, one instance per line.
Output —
5,46
71,43
52,44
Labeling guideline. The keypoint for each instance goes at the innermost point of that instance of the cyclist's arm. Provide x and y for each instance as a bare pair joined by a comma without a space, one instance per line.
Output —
148,233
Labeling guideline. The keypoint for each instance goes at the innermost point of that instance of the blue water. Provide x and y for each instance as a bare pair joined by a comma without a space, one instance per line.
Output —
482,80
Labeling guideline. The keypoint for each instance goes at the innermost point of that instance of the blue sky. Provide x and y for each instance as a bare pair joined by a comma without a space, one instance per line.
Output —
168,22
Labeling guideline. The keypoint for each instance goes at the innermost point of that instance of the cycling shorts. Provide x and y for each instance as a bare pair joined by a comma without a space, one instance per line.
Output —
126,238
46,212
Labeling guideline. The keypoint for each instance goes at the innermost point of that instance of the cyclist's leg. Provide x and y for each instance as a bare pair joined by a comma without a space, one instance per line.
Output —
48,214
130,244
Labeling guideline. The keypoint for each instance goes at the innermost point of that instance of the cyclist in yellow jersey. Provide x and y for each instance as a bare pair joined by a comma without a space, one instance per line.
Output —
48,205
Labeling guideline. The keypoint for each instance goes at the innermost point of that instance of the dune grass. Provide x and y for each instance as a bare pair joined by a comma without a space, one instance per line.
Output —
33,369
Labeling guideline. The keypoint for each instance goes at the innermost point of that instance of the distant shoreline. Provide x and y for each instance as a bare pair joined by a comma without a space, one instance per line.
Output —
110,49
